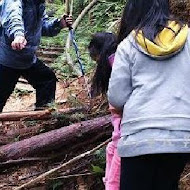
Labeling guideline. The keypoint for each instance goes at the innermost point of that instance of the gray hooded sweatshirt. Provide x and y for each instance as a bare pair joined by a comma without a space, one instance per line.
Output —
153,91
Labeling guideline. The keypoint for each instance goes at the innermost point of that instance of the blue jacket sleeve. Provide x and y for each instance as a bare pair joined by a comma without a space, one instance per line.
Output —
11,18
50,27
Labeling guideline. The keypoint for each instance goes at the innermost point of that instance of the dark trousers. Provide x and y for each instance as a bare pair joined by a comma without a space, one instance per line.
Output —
41,77
152,172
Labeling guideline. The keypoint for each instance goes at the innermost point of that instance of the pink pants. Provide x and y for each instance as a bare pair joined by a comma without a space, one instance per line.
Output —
112,177
112,174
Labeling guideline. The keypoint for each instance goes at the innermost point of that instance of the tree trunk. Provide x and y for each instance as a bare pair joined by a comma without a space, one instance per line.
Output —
55,139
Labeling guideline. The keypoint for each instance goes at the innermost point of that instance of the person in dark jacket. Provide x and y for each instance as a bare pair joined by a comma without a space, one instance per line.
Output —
23,22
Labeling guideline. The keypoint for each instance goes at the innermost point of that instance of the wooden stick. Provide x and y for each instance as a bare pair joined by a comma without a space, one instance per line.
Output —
23,160
70,176
113,25
184,177
31,175
63,166
71,8
36,115
83,13
67,2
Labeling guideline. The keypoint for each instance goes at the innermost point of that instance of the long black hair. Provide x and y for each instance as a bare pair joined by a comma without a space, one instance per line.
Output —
101,46
150,16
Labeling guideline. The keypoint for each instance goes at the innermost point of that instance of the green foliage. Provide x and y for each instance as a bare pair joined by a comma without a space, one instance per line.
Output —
30,123
16,139
99,161
55,185
73,101
99,19
21,92
101,155
60,39
97,170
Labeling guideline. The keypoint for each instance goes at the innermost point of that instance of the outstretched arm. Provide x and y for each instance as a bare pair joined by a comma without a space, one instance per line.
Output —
53,27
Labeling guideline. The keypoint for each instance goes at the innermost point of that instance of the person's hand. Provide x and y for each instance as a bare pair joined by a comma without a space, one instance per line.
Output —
19,43
66,21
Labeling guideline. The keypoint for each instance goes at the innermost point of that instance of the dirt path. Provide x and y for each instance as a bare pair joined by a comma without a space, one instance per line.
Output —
68,92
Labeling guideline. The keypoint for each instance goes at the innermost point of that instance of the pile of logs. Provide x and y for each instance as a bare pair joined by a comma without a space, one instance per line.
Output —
66,138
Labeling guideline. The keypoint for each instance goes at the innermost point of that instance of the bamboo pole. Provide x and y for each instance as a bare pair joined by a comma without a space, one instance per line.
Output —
67,2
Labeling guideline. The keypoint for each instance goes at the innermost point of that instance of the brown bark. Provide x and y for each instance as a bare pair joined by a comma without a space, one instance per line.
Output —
36,115
28,132
4,140
54,139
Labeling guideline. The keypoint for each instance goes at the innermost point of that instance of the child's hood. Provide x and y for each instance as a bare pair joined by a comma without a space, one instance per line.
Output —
166,44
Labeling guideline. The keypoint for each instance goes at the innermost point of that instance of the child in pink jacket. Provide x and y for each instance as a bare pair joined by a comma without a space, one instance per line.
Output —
102,49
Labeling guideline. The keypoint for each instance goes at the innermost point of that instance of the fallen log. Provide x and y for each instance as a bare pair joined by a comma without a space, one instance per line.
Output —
60,155
54,139
30,131
60,168
36,115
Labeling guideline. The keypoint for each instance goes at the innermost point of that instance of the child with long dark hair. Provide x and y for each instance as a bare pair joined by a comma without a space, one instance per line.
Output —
102,49
150,84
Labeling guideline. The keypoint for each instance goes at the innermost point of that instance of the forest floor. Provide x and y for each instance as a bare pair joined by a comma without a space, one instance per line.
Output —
86,174
71,93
